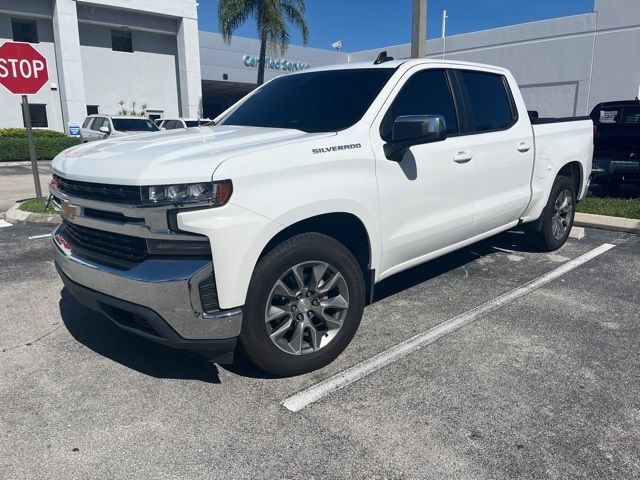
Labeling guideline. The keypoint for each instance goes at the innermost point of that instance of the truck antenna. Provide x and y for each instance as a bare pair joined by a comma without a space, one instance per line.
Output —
382,57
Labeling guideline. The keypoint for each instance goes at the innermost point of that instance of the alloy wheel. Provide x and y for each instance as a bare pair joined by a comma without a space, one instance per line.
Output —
562,214
307,307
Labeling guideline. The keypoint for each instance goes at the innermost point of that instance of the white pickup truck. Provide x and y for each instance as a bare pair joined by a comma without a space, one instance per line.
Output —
272,228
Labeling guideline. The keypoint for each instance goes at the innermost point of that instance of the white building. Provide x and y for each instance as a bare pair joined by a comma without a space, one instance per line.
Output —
150,52
101,53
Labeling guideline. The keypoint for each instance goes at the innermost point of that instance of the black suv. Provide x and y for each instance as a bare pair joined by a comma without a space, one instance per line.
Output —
616,156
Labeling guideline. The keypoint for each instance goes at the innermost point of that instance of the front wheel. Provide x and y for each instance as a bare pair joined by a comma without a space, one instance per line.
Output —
557,217
304,305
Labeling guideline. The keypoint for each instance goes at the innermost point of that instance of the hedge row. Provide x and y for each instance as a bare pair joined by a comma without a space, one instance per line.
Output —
22,133
46,148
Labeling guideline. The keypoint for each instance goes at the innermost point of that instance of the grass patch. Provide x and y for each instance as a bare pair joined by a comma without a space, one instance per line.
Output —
613,207
35,205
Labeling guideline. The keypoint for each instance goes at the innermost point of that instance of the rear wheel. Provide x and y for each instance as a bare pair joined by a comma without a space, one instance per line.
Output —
304,305
557,217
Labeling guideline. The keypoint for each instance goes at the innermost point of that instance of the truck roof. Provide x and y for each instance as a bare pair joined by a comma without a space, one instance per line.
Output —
409,62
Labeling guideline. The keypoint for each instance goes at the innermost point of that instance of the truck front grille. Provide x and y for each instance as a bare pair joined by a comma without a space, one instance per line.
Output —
104,192
109,244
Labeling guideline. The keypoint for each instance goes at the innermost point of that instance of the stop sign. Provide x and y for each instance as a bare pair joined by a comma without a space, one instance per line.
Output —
23,70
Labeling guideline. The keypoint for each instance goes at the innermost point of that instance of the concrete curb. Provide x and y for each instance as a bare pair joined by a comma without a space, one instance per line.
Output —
604,222
15,215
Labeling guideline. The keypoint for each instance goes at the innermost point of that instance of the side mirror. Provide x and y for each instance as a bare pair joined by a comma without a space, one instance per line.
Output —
105,130
410,130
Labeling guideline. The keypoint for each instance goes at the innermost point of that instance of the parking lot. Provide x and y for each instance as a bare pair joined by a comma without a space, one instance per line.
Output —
543,384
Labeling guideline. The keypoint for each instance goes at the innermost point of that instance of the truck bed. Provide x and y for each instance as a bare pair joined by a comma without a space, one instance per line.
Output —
546,120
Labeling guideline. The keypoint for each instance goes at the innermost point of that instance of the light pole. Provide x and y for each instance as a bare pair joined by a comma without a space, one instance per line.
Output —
419,29
444,33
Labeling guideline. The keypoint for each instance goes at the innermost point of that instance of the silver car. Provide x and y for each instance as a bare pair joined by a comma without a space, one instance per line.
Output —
99,127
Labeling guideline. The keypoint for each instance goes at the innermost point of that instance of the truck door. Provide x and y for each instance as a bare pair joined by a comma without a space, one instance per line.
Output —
426,199
501,144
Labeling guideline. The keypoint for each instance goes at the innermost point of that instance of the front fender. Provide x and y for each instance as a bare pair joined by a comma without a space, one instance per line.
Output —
237,237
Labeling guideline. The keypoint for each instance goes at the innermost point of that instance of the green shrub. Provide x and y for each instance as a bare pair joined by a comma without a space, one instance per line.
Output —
22,133
12,149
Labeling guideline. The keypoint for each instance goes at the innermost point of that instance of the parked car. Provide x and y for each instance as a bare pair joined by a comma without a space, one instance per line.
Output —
273,228
616,156
175,123
99,127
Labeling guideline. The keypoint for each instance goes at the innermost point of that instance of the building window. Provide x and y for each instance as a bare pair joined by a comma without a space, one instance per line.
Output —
24,30
92,110
155,115
121,41
38,115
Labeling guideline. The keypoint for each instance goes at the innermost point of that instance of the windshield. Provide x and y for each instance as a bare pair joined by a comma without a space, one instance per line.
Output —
325,101
134,125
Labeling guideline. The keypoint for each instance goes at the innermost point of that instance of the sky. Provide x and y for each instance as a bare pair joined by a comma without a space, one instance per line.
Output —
370,24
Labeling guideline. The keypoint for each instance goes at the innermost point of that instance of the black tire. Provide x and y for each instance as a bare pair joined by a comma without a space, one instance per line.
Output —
255,340
543,239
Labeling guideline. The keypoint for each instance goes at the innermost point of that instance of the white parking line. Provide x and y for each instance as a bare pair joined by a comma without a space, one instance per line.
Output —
4,223
40,236
340,380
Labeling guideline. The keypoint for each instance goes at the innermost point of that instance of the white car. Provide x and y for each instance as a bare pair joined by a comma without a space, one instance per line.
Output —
175,123
99,127
273,227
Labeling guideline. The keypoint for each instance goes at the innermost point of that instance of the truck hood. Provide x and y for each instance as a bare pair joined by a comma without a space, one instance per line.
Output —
176,156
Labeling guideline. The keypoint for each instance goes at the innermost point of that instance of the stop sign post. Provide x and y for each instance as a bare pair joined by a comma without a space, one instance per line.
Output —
24,71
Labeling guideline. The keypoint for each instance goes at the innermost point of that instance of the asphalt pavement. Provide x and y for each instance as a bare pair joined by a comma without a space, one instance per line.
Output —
545,386
17,183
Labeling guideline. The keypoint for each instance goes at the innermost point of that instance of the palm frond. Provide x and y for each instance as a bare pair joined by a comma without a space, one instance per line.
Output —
295,16
232,14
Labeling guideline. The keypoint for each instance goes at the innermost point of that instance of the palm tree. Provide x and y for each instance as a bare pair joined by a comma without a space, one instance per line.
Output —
272,18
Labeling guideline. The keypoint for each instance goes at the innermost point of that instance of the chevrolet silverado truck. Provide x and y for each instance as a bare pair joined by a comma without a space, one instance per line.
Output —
269,231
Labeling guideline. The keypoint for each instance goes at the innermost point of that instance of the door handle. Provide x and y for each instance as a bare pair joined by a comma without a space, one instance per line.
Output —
524,147
462,157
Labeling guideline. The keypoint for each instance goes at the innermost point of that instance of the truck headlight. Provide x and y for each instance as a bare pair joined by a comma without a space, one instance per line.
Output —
214,193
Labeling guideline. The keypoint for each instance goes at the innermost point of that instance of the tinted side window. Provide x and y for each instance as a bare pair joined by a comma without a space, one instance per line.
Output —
87,122
425,93
489,101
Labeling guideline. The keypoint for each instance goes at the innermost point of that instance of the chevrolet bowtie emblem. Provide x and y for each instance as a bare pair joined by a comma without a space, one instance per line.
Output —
68,210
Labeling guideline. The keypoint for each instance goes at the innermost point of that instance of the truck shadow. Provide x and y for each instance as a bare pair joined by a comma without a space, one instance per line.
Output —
512,241
96,332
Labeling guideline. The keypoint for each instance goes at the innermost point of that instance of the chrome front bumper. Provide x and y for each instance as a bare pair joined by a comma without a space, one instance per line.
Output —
166,287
